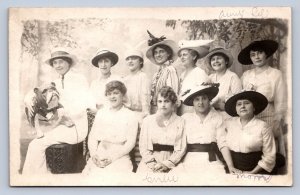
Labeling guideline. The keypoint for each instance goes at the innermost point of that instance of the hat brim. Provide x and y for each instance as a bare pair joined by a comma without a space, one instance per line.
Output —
71,57
258,100
114,58
167,42
269,46
202,51
211,92
216,51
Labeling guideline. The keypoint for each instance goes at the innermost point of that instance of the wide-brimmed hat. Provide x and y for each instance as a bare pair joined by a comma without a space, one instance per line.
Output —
60,53
200,46
209,89
105,53
134,52
258,100
217,50
154,41
269,46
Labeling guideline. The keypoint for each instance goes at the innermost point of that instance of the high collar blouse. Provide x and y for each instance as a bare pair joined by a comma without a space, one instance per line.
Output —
253,137
173,134
115,127
230,84
206,131
165,76
270,83
138,92
97,89
74,96
194,78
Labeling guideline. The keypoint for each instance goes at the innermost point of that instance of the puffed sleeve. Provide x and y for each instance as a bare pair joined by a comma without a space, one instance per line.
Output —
221,135
201,76
179,146
93,139
280,98
131,133
172,79
145,137
235,84
269,150
145,96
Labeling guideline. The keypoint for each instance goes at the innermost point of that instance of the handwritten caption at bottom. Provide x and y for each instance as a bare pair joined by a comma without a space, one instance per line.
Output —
160,179
254,177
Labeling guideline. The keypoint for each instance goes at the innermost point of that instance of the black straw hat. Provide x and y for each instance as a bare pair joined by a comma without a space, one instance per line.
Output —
258,100
268,46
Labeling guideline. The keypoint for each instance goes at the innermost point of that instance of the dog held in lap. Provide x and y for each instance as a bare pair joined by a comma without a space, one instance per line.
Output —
46,107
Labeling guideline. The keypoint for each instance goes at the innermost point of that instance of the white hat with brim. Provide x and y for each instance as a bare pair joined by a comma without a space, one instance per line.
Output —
211,90
200,46
105,53
217,51
173,46
137,53
258,100
60,53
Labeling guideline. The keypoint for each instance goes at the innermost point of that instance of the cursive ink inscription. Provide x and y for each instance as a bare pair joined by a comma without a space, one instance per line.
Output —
259,12
231,13
165,178
254,177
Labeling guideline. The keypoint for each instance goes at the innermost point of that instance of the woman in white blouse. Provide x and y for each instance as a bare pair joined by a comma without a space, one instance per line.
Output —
192,76
137,84
113,135
249,139
220,60
203,129
162,140
162,52
267,81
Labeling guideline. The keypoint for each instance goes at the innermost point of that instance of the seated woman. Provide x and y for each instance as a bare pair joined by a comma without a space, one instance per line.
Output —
250,141
162,140
203,127
113,135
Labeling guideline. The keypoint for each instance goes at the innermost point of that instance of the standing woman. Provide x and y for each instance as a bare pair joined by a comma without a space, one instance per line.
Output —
104,60
203,129
73,89
267,81
220,60
162,140
249,139
137,83
192,76
138,93
162,52
113,135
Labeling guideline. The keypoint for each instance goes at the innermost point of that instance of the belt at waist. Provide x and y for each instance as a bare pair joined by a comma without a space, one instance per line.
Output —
245,161
159,147
212,150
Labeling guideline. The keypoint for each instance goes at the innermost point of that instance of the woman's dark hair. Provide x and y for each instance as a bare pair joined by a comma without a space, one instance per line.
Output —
226,58
167,48
69,60
194,53
168,93
112,85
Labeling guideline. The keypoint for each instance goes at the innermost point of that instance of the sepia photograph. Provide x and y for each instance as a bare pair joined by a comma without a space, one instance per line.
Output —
170,96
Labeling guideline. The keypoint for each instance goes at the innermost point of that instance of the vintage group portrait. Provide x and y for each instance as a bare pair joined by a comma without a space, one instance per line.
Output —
185,96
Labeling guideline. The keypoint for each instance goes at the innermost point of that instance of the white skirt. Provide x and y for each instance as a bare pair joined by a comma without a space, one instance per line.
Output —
196,162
